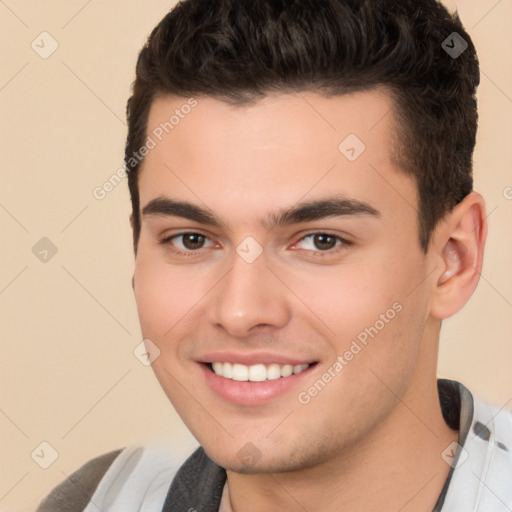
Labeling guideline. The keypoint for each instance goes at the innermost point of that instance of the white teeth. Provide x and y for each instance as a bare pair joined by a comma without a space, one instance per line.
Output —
240,372
227,370
273,371
299,368
256,372
286,370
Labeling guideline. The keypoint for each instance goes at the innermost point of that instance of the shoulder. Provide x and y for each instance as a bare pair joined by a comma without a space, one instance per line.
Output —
481,473
128,478
74,493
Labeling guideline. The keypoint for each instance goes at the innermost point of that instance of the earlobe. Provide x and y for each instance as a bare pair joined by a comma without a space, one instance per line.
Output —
460,239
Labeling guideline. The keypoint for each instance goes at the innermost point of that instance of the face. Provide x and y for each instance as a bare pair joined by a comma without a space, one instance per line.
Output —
279,273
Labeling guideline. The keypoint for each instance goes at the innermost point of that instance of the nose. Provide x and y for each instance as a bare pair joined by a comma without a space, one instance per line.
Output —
249,298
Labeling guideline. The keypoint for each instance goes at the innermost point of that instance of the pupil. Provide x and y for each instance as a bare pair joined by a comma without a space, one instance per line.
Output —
324,242
193,241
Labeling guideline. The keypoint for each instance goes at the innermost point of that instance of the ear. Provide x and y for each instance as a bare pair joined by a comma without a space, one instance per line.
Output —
459,243
131,221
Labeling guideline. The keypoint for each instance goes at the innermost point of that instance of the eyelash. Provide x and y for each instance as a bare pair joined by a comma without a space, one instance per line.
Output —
344,243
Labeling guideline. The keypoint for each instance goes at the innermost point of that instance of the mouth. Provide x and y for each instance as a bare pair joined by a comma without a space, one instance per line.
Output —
257,383
256,372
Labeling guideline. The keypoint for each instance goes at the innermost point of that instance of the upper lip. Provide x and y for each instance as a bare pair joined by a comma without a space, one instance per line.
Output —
252,358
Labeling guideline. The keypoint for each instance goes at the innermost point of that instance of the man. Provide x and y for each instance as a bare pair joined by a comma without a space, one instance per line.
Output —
303,220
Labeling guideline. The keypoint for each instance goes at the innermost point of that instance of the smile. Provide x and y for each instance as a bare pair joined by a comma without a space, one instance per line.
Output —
256,372
257,378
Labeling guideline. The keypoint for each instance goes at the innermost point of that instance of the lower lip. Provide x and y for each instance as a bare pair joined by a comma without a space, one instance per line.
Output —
251,393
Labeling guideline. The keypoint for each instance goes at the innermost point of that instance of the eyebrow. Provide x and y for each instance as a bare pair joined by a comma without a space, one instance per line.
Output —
301,212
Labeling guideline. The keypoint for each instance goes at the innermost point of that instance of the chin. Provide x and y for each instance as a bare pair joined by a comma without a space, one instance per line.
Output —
251,460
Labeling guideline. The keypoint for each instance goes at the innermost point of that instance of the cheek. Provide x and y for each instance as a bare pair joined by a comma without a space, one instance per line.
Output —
164,295
165,299
367,313
380,336
155,302
349,298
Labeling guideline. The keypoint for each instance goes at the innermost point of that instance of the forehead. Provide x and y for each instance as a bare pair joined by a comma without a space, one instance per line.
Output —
289,124
274,152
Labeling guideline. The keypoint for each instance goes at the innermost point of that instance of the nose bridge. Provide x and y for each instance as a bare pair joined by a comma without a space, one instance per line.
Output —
248,295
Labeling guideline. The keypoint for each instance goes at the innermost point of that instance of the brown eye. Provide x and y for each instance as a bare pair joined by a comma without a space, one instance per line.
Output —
321,243
324,242
193,240
187,243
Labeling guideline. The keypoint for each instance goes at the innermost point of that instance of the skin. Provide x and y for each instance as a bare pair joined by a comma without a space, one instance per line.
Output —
355,446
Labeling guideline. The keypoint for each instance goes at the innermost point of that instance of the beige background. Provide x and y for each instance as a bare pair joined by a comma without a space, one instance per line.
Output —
69,326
